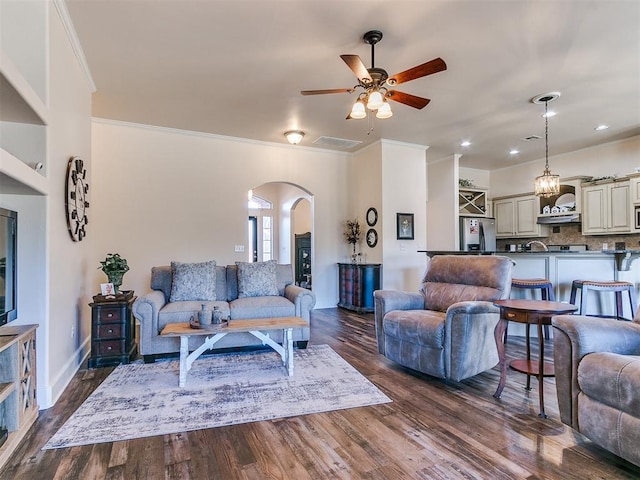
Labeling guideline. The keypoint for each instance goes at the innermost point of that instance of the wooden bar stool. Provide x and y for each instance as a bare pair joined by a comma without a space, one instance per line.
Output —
603,286
546,291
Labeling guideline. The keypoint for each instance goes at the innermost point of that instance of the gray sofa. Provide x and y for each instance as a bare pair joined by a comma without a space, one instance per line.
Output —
597,367
446,330
154,310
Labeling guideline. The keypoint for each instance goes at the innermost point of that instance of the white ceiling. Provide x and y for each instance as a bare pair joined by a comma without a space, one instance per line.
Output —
237,67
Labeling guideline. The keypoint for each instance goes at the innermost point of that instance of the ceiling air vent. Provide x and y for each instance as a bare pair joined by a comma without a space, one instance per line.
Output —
334,142
531,137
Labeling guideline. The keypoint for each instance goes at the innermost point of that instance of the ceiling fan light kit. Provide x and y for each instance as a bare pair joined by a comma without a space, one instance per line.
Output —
547,184
373,80
294,137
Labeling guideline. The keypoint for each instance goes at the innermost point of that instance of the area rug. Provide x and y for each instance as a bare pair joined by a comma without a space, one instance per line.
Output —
143,400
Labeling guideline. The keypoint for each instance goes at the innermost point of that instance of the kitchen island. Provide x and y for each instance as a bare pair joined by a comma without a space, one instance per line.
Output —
563,267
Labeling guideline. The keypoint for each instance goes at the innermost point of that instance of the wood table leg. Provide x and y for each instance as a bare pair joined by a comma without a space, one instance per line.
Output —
184,353
499,336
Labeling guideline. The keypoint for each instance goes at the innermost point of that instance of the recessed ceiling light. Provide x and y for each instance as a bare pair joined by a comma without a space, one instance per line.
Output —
601,127
513,151
465,143
549,114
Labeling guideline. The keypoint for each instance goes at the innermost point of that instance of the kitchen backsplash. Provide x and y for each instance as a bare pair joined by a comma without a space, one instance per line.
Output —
570,234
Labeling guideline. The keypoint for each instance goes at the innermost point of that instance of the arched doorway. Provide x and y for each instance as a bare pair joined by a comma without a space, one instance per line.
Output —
278,213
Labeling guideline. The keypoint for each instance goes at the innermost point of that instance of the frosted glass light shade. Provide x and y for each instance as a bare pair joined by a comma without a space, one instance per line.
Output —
375,100
358,111
384,111
294,137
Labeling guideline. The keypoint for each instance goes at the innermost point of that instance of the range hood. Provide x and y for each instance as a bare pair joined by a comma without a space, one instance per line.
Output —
569,217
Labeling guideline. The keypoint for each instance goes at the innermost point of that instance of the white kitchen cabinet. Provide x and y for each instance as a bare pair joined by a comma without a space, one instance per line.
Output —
635,188
517,217
607,208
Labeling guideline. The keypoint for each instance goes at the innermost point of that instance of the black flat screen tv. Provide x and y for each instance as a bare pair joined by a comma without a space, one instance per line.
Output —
8,265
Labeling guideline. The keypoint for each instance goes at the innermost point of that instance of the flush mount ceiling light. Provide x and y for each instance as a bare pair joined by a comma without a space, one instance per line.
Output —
374,82
599,128
465,143
514,151
294,137
546,185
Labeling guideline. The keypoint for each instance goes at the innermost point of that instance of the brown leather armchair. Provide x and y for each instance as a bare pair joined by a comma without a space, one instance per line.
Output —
597,366
447,329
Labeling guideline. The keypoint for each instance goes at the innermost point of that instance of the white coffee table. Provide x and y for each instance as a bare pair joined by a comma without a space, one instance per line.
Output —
254,326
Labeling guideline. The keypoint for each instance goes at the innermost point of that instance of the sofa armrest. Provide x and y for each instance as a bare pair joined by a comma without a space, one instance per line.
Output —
387,300
303,299
470,338
145,309
574,337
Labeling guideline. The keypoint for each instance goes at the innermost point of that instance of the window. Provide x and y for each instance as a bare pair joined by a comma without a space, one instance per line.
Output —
260,228
266,239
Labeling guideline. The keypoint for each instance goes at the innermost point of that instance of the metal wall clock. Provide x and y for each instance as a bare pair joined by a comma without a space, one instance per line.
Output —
372,217
372,237
76,199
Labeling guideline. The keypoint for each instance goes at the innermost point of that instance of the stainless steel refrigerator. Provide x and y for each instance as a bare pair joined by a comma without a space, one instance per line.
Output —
477,234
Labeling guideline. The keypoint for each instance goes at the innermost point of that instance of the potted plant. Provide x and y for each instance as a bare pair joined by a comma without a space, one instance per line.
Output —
352,235
114,267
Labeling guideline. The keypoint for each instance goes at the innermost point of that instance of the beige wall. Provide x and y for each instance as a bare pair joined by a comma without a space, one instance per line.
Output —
167,195
616,158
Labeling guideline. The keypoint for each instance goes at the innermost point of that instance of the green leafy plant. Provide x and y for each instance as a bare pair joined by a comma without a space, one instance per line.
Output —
113,263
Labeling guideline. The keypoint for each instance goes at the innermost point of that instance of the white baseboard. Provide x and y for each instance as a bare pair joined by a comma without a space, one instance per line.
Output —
48,395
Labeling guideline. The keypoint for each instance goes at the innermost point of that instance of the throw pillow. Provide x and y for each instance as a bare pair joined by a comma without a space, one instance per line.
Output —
193,281
257,279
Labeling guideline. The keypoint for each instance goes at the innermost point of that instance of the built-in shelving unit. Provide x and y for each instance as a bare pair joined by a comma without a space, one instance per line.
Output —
472,202
18,404
24,115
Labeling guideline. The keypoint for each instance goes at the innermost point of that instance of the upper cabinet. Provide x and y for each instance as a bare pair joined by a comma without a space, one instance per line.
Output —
472,202
517,217
607,207
24,112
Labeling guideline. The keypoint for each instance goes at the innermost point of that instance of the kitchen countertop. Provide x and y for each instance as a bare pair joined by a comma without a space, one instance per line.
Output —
623,258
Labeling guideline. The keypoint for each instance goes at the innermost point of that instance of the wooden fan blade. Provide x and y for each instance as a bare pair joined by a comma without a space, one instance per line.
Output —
357,67
321,92
408,99
434,66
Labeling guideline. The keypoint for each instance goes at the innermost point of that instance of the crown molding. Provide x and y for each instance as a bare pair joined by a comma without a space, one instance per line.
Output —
63,13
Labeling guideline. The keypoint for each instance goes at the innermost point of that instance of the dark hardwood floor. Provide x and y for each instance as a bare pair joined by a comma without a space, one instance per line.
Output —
432,430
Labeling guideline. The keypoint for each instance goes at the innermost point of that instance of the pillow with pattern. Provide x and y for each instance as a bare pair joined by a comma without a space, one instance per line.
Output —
257,279
193,281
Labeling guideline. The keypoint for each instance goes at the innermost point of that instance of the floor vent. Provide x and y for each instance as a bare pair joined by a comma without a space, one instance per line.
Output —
334,142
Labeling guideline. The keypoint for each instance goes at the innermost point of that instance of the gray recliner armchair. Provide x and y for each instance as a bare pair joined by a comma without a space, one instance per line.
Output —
447,329
597,367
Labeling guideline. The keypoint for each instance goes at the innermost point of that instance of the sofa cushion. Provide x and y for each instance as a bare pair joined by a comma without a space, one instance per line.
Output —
257,279
612,379
261,307
161,279
450,279
440,296
421,327
193,281
180,312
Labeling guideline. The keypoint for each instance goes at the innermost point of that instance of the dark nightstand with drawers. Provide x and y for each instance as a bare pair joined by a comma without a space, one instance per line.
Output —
112,332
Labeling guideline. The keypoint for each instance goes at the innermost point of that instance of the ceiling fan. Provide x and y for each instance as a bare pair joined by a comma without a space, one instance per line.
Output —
374,82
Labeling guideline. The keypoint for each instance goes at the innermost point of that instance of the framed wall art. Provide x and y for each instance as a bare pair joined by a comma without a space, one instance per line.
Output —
404,226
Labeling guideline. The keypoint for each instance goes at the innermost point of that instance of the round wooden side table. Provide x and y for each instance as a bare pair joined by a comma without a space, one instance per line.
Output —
536,312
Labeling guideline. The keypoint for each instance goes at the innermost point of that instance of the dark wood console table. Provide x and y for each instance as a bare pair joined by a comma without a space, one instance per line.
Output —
530,312
357,282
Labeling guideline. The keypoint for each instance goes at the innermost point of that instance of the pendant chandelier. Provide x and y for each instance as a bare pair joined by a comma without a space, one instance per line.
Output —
547,184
